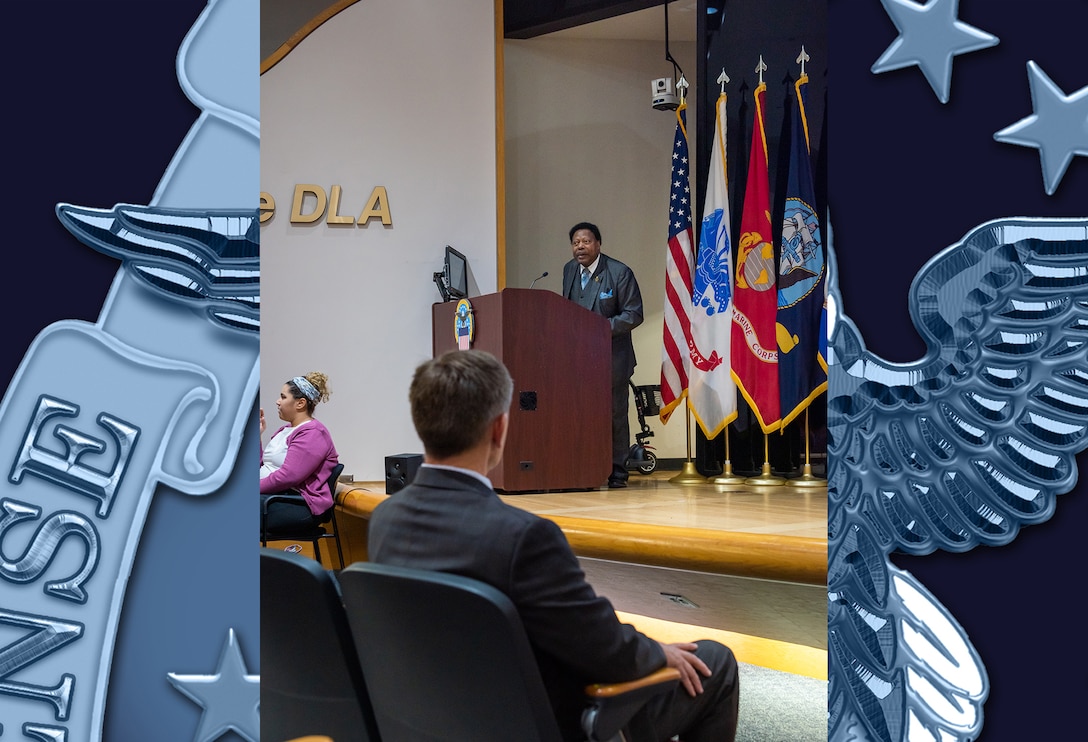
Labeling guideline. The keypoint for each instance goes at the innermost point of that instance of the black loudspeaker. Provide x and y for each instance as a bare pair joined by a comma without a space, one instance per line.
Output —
400,470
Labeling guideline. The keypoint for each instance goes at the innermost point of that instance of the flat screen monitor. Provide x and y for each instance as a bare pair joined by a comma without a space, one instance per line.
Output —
456,273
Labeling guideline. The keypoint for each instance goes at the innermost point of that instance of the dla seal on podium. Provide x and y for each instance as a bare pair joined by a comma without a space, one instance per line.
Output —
464,326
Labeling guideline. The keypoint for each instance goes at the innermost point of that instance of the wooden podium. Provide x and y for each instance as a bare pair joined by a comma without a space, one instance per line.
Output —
560,358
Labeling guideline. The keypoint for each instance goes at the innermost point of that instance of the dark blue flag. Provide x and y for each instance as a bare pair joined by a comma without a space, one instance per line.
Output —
802,271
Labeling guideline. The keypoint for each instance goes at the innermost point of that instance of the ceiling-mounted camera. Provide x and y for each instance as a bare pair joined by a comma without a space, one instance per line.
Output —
664,94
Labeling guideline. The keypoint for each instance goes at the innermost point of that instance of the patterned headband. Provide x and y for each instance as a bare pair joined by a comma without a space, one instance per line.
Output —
309,391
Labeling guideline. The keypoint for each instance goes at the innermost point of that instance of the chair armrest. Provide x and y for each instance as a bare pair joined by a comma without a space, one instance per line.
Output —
667,675
279,497
612,705
297,499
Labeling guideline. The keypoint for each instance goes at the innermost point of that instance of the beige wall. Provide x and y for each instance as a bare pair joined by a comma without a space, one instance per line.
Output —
401,93
583,142
397,93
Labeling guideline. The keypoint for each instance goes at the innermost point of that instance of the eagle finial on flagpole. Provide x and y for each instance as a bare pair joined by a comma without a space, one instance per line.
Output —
761,68
801,59
723,79
682,87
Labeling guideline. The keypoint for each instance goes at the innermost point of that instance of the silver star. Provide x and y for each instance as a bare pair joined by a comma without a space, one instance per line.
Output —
929,36
1059,126
230,698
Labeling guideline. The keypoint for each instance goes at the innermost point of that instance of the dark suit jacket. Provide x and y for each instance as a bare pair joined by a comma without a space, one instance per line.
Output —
617,298
450,522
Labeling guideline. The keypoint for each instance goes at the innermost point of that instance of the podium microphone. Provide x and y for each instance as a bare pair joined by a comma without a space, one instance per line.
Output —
542,275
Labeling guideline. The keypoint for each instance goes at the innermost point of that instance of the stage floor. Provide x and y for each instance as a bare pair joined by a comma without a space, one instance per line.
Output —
783,510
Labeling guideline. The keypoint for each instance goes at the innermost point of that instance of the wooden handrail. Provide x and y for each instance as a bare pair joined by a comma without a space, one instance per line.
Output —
782,558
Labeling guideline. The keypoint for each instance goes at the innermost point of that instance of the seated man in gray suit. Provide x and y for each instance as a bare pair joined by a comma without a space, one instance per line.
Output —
607,287
449,519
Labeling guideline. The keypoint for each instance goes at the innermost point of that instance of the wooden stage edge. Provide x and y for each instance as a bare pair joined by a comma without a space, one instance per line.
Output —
800,560
769,557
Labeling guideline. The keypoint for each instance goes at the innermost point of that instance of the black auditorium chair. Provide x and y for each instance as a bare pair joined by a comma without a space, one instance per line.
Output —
447,660
325,529
311,682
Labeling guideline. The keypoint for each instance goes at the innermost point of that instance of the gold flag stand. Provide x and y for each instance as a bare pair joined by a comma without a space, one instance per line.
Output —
765,477
688,475
727,476
807,479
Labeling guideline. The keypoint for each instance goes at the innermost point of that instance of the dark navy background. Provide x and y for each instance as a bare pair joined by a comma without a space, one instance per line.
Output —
94,113
908,177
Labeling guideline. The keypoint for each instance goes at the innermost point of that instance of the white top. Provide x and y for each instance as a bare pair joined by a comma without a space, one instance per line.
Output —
276,450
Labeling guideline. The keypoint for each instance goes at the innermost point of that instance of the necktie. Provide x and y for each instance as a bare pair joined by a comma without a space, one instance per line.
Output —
585,277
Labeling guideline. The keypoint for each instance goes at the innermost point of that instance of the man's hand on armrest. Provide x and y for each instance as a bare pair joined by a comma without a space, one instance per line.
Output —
681,655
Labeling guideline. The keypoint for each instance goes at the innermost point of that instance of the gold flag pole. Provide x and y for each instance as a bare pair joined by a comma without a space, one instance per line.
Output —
765,477
727,476
807,479
688,475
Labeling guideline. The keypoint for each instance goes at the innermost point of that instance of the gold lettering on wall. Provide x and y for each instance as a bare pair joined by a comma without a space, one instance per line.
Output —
297,217
268,206
377,206
310,203
334,209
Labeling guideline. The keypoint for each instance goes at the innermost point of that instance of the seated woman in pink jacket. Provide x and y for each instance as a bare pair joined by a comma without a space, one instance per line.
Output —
299,457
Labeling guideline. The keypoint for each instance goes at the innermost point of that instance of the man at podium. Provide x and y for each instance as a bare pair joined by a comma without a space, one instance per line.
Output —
607,287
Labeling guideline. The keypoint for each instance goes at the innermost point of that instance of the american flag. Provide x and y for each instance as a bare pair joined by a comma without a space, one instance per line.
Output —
678,272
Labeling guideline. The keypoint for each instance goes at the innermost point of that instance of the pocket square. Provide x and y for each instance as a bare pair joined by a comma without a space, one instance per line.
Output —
606,294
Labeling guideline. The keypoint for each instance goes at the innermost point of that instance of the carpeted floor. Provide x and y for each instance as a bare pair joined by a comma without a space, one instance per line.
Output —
780,706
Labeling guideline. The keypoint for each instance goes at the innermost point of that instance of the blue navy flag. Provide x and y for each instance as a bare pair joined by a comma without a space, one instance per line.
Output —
802,270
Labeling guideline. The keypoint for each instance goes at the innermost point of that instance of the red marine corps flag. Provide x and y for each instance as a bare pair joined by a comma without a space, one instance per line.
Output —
754,351
678,269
